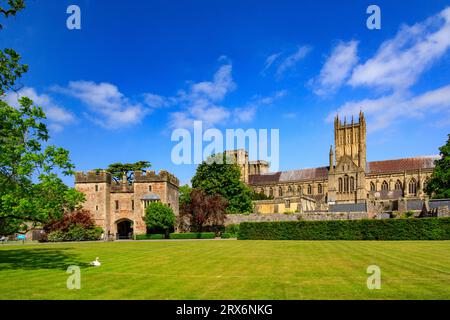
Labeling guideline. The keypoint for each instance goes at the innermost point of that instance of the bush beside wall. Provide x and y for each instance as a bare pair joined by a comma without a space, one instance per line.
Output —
193,235
385,229
226,235
154,236
75,233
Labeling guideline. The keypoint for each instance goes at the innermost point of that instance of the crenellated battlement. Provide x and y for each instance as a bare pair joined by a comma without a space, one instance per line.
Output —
93,176
151,176
101,176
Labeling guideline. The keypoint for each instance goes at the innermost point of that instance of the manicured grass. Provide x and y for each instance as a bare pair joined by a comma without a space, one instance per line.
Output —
227,270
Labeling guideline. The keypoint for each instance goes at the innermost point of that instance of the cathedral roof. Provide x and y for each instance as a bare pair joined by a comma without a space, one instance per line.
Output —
397,165
374,167
292,175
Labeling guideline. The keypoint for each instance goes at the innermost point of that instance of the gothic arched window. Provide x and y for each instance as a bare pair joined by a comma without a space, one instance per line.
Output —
309,189
352,184
290,190
384,186
319,188
398,185
340,185
345,183
372,187
412,186
270,192
299,189
280,191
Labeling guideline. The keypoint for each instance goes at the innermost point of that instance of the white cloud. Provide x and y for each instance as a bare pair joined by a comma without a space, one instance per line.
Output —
269,61
337,68
291,61
201,101
388,109
214,90
248,112
56,115
245,114
290,115
400,61
109,107
157,101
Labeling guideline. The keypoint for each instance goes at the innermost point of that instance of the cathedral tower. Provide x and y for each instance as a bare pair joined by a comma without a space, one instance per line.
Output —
350,140
346,179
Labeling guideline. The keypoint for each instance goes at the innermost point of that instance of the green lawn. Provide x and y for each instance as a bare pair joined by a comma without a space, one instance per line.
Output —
228,270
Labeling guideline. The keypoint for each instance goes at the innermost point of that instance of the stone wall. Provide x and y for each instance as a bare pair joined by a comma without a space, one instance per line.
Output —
238,218
284,205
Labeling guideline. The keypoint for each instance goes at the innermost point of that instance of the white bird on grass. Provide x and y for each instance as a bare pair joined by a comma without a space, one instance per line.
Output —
96,263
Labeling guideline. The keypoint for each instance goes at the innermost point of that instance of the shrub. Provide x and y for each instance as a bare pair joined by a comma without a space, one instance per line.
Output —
150,236
82,218
231,231
193,235
74,226
93,233
385,229
226,235
232,228
75,233
56,236
159,216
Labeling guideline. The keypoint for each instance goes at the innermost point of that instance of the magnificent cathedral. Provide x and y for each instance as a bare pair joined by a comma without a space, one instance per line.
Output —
349,181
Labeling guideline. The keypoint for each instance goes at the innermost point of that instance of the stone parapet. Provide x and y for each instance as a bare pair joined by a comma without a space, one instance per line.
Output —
151,176
93,176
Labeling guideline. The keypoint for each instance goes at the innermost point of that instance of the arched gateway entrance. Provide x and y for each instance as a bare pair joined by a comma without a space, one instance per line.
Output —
124,229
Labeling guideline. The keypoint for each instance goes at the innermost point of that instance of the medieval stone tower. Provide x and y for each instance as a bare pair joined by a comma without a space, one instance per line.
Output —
348,164
118,207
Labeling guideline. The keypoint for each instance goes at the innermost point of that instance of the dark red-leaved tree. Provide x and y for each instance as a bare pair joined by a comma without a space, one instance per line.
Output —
203,209
82,218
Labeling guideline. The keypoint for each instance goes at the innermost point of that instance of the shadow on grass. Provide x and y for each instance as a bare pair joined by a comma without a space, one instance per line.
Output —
45,258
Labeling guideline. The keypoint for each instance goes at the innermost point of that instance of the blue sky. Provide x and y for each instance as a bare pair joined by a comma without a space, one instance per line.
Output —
116,89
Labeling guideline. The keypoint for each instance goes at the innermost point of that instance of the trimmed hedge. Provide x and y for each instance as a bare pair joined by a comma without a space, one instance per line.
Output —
193,235
149,236
232,228
226,235
385,229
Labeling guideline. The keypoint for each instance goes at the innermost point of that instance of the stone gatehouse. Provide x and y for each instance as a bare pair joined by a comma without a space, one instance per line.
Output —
119,207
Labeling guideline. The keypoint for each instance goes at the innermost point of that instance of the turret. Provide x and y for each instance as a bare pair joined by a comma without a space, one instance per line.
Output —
331,159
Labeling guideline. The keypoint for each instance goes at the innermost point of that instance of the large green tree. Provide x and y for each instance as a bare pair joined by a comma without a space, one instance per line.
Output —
31,192
224,178
119,170
438,186
159,216
184,194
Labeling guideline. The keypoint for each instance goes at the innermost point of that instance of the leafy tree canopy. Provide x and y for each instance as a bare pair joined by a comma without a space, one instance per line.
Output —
203,209
185,194
224,178
11,8
30,190
159,216
260,196
438,186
